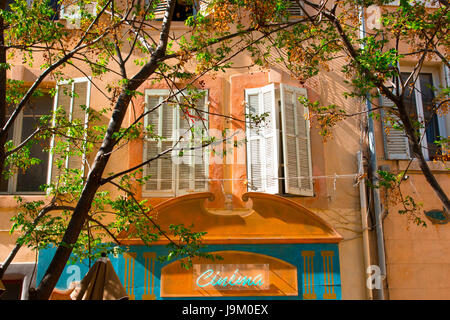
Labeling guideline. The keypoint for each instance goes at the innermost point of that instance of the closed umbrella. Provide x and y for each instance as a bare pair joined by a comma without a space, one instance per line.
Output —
100,283
2,288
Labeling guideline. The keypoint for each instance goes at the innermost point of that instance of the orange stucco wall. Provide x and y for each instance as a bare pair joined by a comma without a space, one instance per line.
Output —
418,259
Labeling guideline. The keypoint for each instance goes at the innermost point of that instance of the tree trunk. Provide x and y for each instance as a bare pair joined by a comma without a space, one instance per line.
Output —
404,116
417,150
3,134
93,181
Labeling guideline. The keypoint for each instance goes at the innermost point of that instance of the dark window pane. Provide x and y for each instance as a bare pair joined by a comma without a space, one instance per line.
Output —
56,8
182,10
8,3
410,99
431,119
3,182
38,106
36,175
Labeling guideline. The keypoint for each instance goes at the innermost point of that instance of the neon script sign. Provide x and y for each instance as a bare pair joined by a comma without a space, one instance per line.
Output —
231,276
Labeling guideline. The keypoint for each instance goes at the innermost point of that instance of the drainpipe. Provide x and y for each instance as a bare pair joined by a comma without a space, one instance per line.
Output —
364,216
375,192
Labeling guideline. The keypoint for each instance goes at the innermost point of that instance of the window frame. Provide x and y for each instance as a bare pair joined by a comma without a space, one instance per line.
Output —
436,77
301,191
17,139
295,17
280,152
175,191
72,18
262,137
428,4
55,106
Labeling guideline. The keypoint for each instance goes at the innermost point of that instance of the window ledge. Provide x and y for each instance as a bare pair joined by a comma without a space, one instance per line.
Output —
435,166
174,25
290,195
9,201
396,3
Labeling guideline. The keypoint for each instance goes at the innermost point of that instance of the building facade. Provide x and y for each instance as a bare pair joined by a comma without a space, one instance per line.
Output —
286,211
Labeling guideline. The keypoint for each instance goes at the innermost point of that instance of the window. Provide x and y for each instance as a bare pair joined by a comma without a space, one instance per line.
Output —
278,153
428,3
294,9
72,97
71,12
24,125
52,4
419,102
181,171
181,12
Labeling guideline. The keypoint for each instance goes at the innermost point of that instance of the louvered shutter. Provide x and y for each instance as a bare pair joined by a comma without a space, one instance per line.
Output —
254,161
151,121
396,145
447,75
160,9
160,172
294,9
183,170
203,7
192,168
71,13
269,142
262,144
201,156
296,142
78,116
73,98
185,165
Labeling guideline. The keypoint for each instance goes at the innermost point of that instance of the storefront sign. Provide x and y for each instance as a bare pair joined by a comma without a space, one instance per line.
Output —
231,276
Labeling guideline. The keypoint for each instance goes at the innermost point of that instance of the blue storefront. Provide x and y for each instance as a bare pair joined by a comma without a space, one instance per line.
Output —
273,251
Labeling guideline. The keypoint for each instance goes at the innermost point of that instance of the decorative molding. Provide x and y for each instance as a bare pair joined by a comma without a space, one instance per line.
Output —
129,258
149,276
328,274
271,219
308,272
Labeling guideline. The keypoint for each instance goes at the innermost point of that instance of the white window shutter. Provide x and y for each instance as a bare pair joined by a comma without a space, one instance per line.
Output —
203,7
296,142
262,142
160,9
177,172
396,144
62,100
270,140
74,98
200,156
151,145
80,101
185,165
294,9
193,166
167,125
72,13
161,170
254,161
